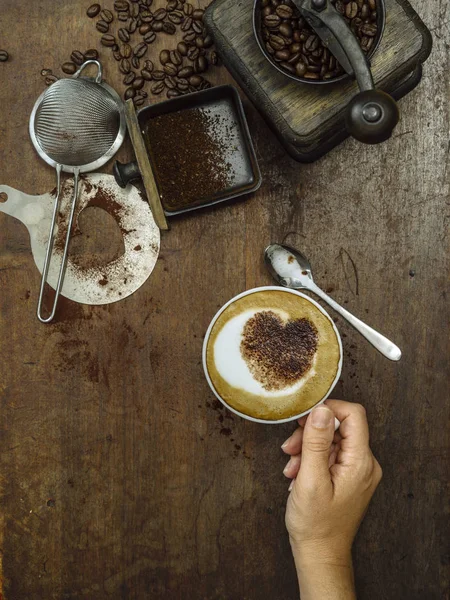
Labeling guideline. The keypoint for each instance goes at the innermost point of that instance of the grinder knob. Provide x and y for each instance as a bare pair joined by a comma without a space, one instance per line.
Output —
372,116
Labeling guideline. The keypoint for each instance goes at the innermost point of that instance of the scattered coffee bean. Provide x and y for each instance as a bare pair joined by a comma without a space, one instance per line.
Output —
195,80
158,88
117,55
145,28
129,78
150,37
169,28
198,14
193,53
108,40
91,54
176,17
157,26
182,48
200,64
176,58
107,15
102,26
188,9
124,34
146,75
125,66
140,50
182,84
125,50
170,82
147,17
164,57
93,10
50,79
136,63
189,36
121,6
214,58
138,100
173,93
186,72
170,69
158,75
122,17
134,10
4,56
197,27
138,83
148,65
129,93
77,57
187,24
44,72
69,68
171,5
160,14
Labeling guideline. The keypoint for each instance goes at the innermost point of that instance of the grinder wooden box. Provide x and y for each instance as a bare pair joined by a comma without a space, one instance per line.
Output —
309,119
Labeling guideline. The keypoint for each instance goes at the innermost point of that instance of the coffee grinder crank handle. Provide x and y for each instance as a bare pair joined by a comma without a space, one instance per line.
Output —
372,114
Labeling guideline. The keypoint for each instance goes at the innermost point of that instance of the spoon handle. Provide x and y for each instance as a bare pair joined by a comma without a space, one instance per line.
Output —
381,343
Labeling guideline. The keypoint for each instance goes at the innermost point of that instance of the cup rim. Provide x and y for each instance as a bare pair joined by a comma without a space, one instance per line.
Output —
247,293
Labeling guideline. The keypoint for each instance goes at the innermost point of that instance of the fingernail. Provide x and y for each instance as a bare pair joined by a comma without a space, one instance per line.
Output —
291,485
286,468
321,417
286,443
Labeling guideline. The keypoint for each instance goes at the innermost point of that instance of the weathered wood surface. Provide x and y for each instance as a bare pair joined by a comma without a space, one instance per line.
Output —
119,476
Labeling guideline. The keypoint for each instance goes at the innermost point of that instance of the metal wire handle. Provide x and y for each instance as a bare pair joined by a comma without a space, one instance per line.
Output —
50,244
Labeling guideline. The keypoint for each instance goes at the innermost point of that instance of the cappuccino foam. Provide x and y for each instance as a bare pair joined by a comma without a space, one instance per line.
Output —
272,355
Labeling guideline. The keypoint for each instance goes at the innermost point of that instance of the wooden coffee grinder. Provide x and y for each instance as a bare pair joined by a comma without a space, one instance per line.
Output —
310,117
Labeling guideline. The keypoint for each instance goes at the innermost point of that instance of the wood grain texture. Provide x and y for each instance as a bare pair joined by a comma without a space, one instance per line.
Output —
120,477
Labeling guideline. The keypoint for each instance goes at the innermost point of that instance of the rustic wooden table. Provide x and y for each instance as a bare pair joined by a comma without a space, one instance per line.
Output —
120,476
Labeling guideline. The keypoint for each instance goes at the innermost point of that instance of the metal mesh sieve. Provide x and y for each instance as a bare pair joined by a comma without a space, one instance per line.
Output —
76,126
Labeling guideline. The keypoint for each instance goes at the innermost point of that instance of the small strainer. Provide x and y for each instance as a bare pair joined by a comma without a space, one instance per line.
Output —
76,126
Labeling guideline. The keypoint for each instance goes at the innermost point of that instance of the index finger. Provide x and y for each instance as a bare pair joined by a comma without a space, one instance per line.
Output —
354,428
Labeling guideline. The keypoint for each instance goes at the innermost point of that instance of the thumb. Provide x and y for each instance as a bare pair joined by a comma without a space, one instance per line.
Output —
317,439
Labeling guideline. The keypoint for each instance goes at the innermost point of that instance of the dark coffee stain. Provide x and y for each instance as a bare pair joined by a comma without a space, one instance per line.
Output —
27,294
3,197
226,431
103,281
137,248
329,289
290,259
412,273
51,503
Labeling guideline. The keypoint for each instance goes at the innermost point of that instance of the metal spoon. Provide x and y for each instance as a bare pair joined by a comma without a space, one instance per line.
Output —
291,269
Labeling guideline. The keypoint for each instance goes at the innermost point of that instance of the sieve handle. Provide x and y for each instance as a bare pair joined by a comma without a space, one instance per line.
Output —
50,244
98,78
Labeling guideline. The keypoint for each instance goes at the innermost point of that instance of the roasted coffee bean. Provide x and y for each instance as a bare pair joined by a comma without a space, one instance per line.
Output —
147,16
69,68
129,93
158,75
186,25
121,5
164,57
138,101
207,41
272,21
286,30
269,48
142,93
197,27
373,4
175,58
90,54
146,75
49,79
201,64
125,50
171,5
148,65
367,43
117,55
369,29
288,67
170,69
77,57
145,28
134,10
169,28
311,75
193,53
185,72
135,62
107,15
214,58
125,66
129,78
312,43
189,36
150,37
282,55
284,11
188,9
182,84
300,68
44,72
195,80
108,40
198,14
157,26
351,10
199,42
140,50
170,82
365,12
160,14
182,48
277,42
93,10
102,26
123,34
176,17
122,17
173,93
138,83
158,88
132,25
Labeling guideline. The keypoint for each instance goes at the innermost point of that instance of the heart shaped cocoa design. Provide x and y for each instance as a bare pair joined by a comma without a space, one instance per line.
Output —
278,354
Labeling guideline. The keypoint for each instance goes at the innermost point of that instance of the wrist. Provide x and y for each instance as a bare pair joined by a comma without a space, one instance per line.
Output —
327,552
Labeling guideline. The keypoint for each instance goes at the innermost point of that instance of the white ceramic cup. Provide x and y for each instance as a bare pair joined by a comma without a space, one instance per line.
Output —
287,291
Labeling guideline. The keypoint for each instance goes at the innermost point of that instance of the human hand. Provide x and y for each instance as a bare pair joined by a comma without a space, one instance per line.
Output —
334,477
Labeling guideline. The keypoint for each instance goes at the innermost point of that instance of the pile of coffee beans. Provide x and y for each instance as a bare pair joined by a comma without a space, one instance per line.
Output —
4,56
181,69
298,50
76,59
